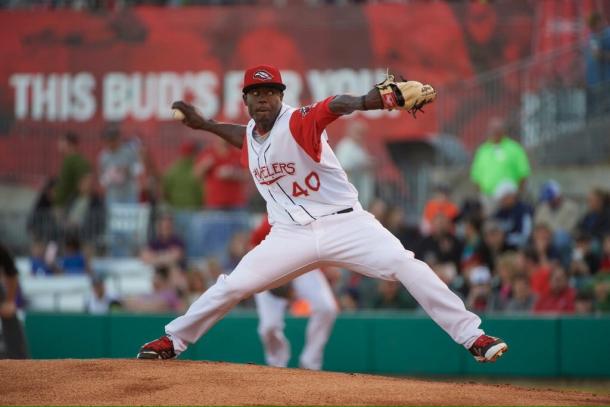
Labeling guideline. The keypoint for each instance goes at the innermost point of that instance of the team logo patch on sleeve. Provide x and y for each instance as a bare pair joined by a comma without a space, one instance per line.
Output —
306,109
262,75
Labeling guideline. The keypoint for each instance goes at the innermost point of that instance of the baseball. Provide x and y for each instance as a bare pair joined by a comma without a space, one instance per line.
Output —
177,114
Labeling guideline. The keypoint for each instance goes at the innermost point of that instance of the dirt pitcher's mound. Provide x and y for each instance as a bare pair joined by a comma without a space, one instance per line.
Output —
134,382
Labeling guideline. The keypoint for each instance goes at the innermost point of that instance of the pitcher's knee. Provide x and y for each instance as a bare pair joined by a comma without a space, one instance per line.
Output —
405,265
270,331
395,261
326,310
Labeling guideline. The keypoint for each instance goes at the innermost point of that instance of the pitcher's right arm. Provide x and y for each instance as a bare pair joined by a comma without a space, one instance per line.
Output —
233,133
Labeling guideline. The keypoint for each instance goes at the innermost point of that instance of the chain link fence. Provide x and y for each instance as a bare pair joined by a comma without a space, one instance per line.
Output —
544,100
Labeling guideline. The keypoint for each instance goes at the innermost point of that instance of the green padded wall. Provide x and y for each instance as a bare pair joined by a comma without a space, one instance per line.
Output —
74,336
233,339
585,347
389,343
413,346
350,347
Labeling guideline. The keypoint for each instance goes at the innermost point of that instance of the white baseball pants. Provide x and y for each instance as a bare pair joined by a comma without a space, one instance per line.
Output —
355,241
314,288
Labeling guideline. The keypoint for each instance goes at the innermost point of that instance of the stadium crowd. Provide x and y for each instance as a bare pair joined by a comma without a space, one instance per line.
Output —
500,250
505,248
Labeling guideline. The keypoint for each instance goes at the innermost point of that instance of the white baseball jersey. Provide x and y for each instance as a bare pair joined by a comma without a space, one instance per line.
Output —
294,168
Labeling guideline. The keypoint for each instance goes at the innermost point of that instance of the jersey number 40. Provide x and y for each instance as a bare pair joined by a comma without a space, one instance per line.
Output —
312,182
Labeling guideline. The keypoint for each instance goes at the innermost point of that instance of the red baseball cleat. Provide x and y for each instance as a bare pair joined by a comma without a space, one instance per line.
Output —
488,348
161,348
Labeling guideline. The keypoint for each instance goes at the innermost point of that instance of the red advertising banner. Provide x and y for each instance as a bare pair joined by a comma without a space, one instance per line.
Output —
74,70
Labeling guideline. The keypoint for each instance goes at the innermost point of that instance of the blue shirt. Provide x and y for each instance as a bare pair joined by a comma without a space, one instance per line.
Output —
40,268
516,223
73,264
598,70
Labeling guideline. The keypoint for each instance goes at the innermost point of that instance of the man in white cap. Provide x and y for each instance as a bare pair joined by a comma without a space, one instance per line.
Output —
555,210
559,213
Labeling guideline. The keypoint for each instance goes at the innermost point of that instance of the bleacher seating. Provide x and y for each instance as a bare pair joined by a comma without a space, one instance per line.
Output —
55,293
124,277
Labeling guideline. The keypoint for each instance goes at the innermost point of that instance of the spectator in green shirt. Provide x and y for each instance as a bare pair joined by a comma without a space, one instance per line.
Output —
73,167
181,188
498,159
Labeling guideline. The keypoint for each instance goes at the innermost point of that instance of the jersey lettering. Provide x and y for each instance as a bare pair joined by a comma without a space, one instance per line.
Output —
269,174
297,190
312,181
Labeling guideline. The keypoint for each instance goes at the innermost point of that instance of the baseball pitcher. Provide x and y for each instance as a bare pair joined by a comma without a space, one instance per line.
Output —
315,213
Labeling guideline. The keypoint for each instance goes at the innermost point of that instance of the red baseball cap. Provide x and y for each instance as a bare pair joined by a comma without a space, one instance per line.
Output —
263,75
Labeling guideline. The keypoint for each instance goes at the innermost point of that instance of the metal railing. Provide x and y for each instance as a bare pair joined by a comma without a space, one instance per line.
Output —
543,99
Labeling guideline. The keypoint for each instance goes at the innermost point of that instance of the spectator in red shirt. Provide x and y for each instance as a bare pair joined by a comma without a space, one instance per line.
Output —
539,272
225,179
560,297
